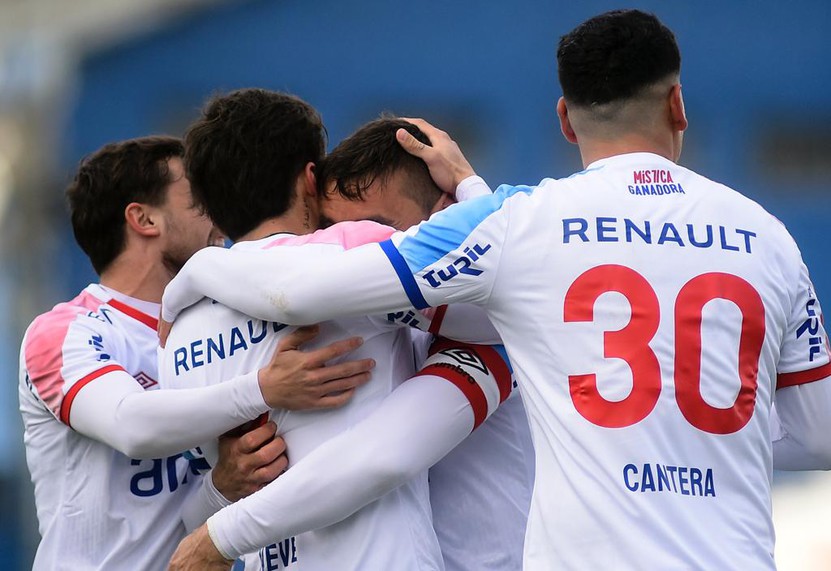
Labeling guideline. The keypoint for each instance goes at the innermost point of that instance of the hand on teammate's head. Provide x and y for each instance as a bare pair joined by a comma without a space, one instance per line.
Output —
448,166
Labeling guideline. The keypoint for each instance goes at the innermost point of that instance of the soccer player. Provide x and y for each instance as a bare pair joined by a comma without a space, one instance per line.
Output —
113,484
479,519
251,159
651,315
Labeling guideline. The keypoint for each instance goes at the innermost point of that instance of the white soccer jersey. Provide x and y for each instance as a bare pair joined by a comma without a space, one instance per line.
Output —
97,508
211,342
649,314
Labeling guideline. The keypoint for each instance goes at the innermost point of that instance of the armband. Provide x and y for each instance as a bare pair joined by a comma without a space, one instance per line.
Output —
481,372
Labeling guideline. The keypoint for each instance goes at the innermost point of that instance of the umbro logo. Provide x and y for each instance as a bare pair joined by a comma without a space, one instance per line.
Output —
145,380
466,358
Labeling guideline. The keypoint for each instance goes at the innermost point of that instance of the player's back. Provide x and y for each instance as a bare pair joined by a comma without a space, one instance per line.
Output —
211,343
663,306
96,507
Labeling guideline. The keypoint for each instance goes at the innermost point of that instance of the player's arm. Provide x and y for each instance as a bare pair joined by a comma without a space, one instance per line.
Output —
803,395
81,382
415,426
802,441
451,258
250,457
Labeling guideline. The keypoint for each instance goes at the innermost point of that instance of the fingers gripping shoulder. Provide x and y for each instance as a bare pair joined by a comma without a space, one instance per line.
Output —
481,372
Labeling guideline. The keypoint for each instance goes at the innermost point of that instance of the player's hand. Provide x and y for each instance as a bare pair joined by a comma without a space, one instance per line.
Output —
248,460
301,380
448,166
197,552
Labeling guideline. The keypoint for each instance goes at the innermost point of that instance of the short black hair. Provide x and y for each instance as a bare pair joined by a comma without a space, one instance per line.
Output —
371,153
614,56
244,153
135,170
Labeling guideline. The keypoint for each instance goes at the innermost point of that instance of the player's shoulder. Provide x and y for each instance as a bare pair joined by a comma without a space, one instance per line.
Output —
732,200
345,235
52,326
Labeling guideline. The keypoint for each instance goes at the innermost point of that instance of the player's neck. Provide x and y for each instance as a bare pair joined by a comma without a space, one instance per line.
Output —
594,150
142,279
293,222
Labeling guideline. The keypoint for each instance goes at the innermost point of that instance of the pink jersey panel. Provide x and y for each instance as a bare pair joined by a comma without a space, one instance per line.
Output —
346,234
44,347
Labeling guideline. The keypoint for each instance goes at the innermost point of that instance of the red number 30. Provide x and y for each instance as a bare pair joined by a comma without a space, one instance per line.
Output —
632,345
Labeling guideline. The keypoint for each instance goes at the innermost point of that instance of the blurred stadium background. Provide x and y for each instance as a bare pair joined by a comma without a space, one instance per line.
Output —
77,74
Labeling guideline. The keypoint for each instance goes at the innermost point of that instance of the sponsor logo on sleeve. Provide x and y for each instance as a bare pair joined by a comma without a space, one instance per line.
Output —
811,328
463,264
97,343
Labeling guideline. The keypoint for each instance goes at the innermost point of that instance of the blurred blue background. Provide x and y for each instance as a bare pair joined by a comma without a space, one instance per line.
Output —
755,75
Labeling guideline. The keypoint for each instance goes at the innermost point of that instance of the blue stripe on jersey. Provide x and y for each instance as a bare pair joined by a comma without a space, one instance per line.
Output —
448,229
404,275
504,354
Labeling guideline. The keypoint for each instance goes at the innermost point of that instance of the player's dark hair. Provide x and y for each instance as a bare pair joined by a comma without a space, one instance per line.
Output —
615,55
372,153
107,181
243,155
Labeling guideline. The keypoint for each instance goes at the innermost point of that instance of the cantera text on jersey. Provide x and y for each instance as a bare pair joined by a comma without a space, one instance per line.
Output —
684,480
612,229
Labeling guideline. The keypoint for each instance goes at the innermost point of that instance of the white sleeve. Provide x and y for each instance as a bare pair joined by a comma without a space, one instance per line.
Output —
802,441
451,258
283,284
416,426
115,410
202,504
472,187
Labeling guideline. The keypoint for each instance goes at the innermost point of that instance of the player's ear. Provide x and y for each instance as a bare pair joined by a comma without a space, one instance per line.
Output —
142,219
565,122
677,114
443,202
309,180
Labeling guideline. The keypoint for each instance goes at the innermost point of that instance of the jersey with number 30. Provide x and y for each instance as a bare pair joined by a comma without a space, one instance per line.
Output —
650,314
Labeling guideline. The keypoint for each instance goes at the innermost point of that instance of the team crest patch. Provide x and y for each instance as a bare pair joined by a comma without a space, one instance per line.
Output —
145,380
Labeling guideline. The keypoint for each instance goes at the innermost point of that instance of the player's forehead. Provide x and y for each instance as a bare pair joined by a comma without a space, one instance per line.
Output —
335,203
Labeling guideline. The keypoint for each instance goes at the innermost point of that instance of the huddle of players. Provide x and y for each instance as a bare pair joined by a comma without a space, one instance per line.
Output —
579,438
72,354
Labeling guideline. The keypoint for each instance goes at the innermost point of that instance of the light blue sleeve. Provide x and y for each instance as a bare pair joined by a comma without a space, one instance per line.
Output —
454,256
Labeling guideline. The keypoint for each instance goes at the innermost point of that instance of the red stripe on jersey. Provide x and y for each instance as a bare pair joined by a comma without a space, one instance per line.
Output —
801,377
151,322
491,357
66,405
498,367
438,317
472,391
442,343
